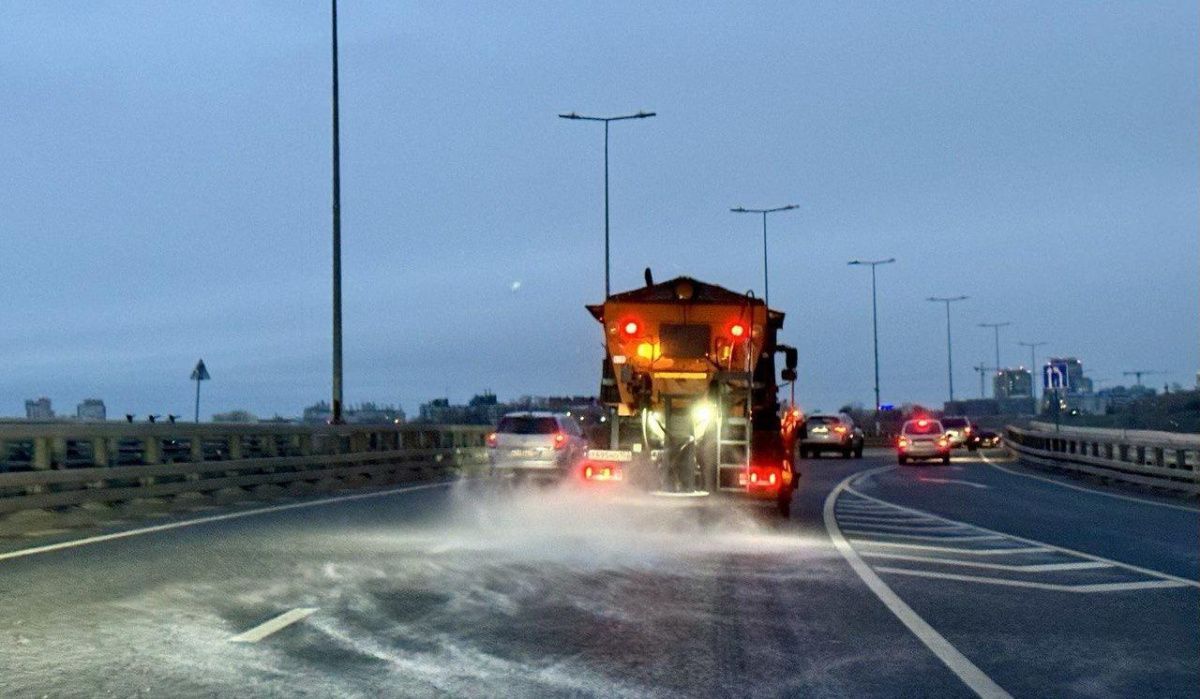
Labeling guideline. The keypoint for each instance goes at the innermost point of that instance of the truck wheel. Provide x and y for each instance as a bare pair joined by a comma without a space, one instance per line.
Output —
783,504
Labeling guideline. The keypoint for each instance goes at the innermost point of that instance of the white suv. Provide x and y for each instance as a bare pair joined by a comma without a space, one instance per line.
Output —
536,443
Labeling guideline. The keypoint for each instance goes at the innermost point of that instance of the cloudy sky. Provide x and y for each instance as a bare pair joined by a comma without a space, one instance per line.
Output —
164,190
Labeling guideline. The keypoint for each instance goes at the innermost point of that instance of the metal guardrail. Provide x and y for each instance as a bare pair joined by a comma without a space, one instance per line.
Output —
60,464
1163,459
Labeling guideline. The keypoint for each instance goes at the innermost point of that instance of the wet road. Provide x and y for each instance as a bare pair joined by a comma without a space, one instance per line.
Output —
888,581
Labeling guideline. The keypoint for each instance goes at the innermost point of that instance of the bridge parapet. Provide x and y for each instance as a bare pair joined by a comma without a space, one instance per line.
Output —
59,464
1163,459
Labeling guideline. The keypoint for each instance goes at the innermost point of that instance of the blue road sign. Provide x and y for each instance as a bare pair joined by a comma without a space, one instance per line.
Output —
1055,376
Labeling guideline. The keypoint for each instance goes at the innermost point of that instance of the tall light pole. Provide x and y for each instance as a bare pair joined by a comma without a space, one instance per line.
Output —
1032,369
336,407
949,347
606,120
874,315
996,328
764,212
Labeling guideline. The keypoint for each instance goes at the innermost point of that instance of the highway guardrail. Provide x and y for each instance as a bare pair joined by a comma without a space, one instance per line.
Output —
1164,459
44,465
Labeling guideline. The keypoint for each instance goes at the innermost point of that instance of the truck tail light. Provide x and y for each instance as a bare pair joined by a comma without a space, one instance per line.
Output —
737,330
602,472
631,328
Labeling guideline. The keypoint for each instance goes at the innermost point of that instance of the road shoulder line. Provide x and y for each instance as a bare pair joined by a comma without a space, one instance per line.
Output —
1093,491
950,656
47,548
273,624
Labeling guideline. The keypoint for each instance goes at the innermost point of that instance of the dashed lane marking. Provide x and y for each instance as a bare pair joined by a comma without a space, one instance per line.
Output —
953,659
274,624
1093,491
927,479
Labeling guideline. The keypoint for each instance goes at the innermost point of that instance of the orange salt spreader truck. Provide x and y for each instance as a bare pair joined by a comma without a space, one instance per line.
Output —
689,379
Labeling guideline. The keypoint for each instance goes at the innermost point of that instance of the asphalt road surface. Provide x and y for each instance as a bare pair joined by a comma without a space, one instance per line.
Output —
932,580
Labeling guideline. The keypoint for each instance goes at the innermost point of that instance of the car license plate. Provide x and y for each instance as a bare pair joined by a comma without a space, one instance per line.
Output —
820,430
524,453
610,455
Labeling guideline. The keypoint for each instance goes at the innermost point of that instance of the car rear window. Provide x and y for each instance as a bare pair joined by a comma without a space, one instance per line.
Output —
527,425
929,427
822,420
954,422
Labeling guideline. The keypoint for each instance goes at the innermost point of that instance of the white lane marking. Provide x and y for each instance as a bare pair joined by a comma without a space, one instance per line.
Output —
926,479
1031,542
1029,568
927,527
952,549
1093,491
953,659
921,537
270,626
1096,587
20,553
843,517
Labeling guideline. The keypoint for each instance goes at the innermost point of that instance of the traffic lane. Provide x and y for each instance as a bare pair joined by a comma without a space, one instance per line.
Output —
443,590
1035,619
1139,533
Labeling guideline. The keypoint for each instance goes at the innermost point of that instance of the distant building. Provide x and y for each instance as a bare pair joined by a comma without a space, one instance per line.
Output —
486,409
1012,383
244,416
39,409
91,409
318,413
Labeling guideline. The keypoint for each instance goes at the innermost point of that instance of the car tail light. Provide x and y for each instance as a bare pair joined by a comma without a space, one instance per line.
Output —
943,442
491,440
903,443
560,440
840,429
602,472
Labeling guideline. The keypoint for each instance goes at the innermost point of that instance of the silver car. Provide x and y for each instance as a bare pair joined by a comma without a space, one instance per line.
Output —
536,443
923,438
831,433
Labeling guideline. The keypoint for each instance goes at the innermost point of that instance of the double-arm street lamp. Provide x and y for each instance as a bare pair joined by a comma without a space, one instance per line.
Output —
606,120
949,347
874,314
764,212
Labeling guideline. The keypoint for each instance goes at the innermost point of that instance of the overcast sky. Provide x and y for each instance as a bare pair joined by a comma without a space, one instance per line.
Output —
164,190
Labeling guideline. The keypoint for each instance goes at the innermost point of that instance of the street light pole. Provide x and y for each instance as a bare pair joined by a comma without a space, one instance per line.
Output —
336,408
996,327
949,347
606,120
764,212
1032,369
874,316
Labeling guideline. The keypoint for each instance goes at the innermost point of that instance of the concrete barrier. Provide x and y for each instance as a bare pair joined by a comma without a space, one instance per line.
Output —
1165,459
62,464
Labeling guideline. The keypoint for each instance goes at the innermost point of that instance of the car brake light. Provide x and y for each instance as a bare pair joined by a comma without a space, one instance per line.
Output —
631,328
922,423
903,443
560,440
840,429
943,442
491,440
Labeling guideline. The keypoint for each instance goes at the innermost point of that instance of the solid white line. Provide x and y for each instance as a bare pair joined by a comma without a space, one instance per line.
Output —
1097,587
952,549
1034,542
913,528
1093,491
920,537
270,626
873,518
21,553
1030,568
958,663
